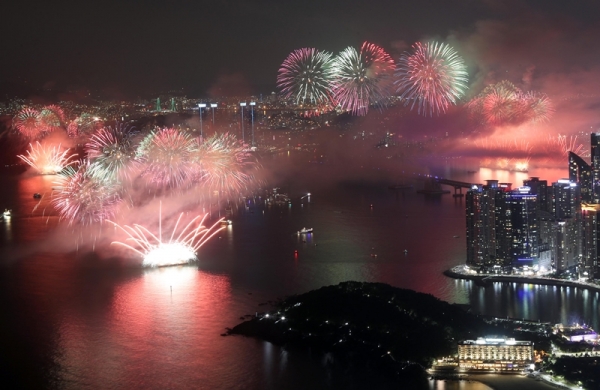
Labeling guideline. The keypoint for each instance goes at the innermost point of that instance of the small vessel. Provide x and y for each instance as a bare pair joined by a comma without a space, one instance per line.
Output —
305,230
6,213
456,236
406,251
227,222
37,195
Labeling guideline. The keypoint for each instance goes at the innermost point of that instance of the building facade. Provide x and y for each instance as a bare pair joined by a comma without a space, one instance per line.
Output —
495,354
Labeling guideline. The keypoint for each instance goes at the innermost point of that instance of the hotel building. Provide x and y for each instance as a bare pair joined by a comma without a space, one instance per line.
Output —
495,354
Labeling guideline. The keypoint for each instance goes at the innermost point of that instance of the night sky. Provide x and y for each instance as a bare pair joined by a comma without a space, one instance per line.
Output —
206,48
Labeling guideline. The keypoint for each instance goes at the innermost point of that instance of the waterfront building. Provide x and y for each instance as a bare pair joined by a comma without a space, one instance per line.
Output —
595,152
590,240
488,225
567,245
566,207
576,333
480,227
495,354
548,234
524,225
581,172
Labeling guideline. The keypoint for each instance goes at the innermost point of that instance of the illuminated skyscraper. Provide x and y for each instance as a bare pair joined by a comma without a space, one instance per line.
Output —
581,172
481,234
488,225
540,189
595,149
566,199
566,206
590,239
524,225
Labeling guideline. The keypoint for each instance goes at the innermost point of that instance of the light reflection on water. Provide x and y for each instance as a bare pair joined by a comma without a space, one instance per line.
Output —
457,385
105,326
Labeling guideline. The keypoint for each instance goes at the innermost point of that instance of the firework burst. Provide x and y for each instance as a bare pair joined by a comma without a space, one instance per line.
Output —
223,163
47,160
112,152
306,75
504,104
180,248
51,118
168,155
27,122
538,106
84,124
362,78
81,198
433,76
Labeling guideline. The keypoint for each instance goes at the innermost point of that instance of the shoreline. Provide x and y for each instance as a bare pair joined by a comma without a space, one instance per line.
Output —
488,279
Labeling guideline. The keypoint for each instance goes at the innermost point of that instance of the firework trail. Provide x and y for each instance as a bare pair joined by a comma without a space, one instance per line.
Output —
180,249
306,75
504,145
81,198
362,78
168,156
27,122
47,160
433,76
112,153
222,161
561,145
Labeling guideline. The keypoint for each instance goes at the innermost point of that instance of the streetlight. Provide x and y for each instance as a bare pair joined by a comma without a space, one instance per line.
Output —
252,104
212,107
243,104
200,107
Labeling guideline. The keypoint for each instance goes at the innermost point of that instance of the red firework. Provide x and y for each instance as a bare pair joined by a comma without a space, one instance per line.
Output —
433,76
168,155
504,104
81,198
27,122
51,118
223,162
362,78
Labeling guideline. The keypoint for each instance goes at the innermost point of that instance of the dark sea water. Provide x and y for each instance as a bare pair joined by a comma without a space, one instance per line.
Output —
77,319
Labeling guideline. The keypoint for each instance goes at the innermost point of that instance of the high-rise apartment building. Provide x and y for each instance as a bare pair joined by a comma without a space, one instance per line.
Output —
595,152
540,189
590,252
581,172
524,225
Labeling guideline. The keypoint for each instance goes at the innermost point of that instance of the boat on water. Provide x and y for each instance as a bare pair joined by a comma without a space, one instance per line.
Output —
7,213
227,222
455,236
37,195
305,230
